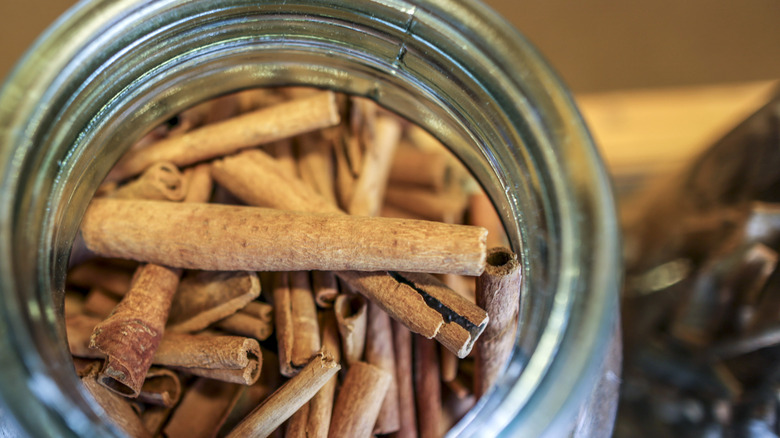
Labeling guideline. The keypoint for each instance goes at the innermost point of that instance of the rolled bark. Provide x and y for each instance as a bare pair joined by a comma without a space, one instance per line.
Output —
306,331
288,398
402,345
321,405
379,352
413,166
199,183
283,320
498,291
351,316
161,387
427,386
325,287
225,237
203,409
222,138
315,164
206,297
359,400
130,336
117,408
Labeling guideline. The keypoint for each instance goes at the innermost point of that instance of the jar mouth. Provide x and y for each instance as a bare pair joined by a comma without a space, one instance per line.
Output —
107,72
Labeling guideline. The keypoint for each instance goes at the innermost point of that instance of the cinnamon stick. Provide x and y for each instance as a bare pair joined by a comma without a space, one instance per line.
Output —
199,183
427,385
321,405
161,387
288,398
251,129
224,237
315,164
206,351
306,332
283,320
203,409
425,305
448,207
255,320
359,401
351,316
325,288
206,297
296,425
116,408
130,336
482,213
498,291
402,345
161,181
379,352
98,273
417,167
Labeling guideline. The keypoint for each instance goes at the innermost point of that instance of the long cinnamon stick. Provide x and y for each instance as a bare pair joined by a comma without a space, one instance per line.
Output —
206,297
402,344
379,352
225,237
288,398
130,336
359,400
283,320
321,405
251,129
306,332
427,386
498,291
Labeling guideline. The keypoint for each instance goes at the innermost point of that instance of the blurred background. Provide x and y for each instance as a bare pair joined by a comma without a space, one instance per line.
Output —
656,80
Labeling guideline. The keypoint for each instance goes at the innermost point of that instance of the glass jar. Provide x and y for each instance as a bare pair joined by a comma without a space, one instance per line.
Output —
107,71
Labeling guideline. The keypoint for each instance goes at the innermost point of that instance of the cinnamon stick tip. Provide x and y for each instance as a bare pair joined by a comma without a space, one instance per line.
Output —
501,261
327,360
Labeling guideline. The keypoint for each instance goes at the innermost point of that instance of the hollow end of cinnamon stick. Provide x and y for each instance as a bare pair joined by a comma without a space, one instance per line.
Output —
501,261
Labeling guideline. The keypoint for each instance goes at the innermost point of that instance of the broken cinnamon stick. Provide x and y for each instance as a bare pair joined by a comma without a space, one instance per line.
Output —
161,387
251,129
130,336
359,400
325,288
351,316
206,297
498,291
278,407
224,237
116,408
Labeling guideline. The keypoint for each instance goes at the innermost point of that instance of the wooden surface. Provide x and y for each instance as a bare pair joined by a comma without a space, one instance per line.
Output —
643,133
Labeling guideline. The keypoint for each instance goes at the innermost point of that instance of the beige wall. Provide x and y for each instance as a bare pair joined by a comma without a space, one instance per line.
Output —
594,44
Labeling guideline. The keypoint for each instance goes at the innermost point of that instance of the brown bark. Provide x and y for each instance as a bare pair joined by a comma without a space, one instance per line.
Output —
223,138
288,398
206,297
203,409
255,320
306,332
498,291
161,181
413,166
161,387
427,386
402,346
321,405
199,183
130,336
351,316
379,352
325,287
359,400
117,408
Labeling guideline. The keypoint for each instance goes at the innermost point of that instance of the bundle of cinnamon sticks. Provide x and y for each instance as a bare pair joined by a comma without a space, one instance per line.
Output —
290,262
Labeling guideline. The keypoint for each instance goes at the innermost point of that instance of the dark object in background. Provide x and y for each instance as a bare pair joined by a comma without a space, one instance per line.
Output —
701,305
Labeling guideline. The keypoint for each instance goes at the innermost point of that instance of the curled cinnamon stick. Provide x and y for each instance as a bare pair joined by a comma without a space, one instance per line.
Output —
224,237
251,129
206,297
306,332
116,408
161,387
321,405
288,398
351,316
498,291
283,321
205,351
325,288
130,336
161,181
358,403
